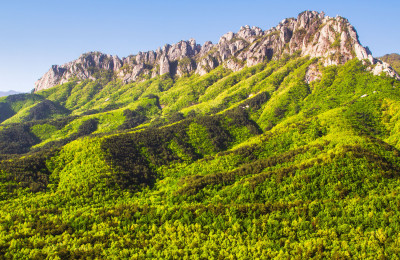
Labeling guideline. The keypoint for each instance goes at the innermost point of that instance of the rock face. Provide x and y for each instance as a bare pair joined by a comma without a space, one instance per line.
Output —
392,59
334,40
82,68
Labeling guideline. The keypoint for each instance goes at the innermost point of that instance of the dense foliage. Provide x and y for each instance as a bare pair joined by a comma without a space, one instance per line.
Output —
16,139
45,109
133,118
238,165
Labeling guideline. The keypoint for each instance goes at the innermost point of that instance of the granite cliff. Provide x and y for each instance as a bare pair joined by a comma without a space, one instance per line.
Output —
333,39
392,59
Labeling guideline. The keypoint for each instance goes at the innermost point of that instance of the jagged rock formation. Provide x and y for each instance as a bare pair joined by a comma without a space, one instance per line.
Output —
393,60
334,40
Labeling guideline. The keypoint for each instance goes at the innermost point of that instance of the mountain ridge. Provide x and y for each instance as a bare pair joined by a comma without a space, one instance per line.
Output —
7,93
334,40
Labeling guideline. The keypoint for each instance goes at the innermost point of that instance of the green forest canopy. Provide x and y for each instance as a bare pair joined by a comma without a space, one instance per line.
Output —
247,164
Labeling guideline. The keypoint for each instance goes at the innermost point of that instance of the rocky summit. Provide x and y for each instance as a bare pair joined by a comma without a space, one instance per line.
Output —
333,39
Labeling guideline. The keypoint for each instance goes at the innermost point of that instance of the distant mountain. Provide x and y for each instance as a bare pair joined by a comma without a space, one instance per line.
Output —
393,60
7,93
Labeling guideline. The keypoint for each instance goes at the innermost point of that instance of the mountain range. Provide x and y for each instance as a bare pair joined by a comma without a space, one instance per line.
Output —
312,34
281,143
7,93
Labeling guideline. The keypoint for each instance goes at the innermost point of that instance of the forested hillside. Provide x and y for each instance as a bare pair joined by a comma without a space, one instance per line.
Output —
289,158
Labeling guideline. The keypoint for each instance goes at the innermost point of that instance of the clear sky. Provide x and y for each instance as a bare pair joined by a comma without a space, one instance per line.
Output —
37,34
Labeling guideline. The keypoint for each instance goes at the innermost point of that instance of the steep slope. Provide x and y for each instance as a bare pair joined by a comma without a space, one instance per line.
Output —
392,59
322,175
312,33
288,158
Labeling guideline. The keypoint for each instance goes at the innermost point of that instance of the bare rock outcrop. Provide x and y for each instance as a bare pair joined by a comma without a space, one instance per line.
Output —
82,68
332,39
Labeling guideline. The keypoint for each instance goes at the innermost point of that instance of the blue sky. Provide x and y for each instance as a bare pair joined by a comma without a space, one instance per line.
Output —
37,34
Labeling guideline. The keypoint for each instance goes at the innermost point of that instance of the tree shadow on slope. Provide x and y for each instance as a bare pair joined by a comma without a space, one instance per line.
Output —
136,156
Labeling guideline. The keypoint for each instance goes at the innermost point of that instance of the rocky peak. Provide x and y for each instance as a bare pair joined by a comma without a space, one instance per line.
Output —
333,40
250,34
